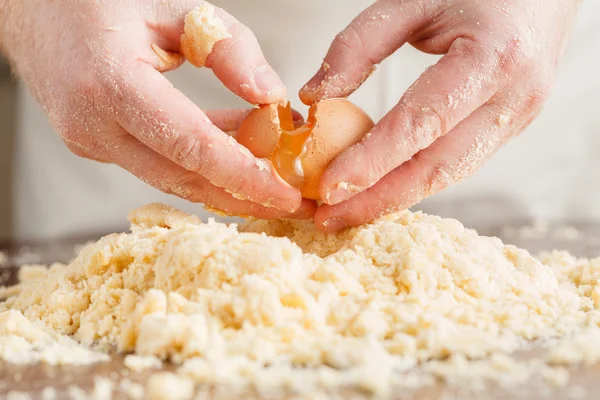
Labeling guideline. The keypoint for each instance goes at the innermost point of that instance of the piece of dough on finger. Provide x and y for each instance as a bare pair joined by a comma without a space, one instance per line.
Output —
202,30
167,60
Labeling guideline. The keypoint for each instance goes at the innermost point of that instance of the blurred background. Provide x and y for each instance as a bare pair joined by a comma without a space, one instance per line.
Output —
8,91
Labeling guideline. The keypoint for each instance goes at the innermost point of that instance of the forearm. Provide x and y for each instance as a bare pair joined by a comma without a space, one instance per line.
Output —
7,24
4,4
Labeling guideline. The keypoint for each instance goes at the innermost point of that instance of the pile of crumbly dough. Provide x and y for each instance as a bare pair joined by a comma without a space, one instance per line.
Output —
281,306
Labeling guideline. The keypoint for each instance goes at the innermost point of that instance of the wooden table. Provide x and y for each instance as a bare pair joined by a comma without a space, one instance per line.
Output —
584,384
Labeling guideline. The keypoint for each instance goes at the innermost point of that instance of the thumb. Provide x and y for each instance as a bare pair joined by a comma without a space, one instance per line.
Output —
209,36
370,38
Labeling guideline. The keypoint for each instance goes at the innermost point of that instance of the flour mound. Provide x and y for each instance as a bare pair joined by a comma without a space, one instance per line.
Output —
275,304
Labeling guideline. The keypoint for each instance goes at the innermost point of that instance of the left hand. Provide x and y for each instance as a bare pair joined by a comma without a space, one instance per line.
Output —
498,68
95,67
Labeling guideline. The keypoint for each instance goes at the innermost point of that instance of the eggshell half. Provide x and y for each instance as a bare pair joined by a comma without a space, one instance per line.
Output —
338,124
334,125
260,131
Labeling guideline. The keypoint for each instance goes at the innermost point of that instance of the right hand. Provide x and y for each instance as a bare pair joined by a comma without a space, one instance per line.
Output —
92,67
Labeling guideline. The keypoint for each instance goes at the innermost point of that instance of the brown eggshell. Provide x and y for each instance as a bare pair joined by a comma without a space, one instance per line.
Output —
339,124
260,131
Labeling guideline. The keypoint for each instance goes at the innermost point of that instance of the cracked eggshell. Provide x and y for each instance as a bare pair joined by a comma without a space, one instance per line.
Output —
259,132
334,125
338,124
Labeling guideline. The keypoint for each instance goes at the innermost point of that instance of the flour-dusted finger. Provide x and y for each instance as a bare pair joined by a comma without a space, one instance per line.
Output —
451,158
170,178
370,38
444,95
161,117
210,37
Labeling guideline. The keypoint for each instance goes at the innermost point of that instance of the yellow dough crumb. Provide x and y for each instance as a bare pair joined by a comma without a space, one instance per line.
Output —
280,305
168,60
25,342
31,272
141,363
202,30
168,386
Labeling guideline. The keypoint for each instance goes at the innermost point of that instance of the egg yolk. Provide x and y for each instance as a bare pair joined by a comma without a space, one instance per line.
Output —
292,143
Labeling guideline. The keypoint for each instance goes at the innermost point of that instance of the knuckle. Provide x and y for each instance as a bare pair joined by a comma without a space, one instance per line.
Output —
531,100
351,39
539,95
424,125
381,201
188,151
380,206
504,59
374,207
427,173
437,174
516,56
188,186
510,57
236,185
468,47
89,85
88,97
376,161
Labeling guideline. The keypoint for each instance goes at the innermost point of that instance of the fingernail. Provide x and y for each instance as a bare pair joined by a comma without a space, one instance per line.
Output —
340,192
268,82
308,93
306,211
335,196
335,224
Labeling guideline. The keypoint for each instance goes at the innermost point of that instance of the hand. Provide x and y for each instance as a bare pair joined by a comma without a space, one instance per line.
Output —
95,66
497,71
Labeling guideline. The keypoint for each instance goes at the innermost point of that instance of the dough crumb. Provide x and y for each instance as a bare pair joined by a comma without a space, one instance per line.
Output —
32,272
168,386
141,363
103,388
202,30
25,342
14,395
48,393
503,119
133,390
168,60
76,393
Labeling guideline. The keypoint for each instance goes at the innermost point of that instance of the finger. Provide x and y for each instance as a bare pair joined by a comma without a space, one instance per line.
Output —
170,178
370,38
450,159
164,60
215,39
446,93
165,120
229,120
